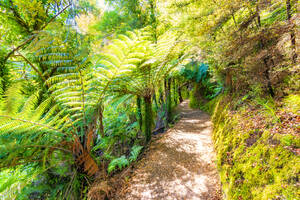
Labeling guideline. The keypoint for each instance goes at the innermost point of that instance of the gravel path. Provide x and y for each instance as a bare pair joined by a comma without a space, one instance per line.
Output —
179,164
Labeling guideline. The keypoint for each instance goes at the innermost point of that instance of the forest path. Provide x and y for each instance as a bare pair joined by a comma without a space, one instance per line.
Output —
179,163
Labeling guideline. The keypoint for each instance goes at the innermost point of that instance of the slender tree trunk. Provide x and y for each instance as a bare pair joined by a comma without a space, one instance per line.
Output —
180,95
139,112
166,91
293,36
228,80
100,118
265,60
161,96
155,101
174,92
168,99
148,118
4,77
258,16
267,75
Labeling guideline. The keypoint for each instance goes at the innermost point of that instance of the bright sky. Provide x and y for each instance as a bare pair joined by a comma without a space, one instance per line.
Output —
101,4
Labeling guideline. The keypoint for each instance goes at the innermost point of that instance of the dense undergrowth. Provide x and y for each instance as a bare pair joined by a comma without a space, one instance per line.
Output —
257,143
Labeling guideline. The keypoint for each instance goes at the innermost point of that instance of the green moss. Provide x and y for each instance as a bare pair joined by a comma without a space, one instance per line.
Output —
288,140
292,102
194,101
256,169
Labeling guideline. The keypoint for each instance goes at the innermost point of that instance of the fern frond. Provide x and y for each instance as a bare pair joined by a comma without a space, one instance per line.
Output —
135,151
13,99
41,125
120,162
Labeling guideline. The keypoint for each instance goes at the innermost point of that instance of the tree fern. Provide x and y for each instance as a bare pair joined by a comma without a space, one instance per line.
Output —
64,70
13,99
30,133
38,134
69,84
136,67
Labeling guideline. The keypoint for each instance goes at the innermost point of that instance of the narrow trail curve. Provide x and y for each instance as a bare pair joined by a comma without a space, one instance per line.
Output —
179,164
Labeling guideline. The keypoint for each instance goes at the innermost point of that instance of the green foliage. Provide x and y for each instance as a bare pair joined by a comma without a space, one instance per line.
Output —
134,14
112,22
241,41
268,106
13,181
29,131
120,162
31,138
252,164
195,99
292,103
194,71
120,125
135,151
204,87
287,140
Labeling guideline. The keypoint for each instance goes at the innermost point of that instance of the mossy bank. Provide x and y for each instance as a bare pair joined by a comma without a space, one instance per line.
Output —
257,145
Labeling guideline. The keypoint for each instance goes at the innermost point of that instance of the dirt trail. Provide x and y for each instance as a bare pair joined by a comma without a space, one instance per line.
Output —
179,164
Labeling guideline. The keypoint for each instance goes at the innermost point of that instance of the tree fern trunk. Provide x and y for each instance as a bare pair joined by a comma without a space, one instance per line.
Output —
155,101
148,117
168,99
139,112
180,95
174,92
100,118
4,77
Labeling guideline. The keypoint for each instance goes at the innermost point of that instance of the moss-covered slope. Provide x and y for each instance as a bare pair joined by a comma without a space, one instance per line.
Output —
257,145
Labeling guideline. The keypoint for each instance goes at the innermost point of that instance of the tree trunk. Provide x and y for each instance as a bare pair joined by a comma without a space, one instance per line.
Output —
267,75
293,37
139,112
228,80
4,77
174,92
148,117
155,101
100,118
265,60
168,99
288,9
180,95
